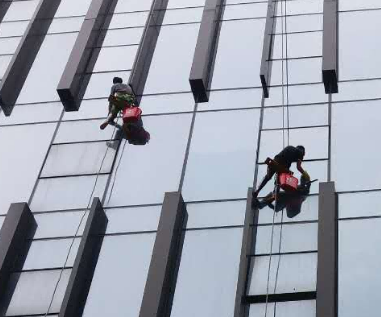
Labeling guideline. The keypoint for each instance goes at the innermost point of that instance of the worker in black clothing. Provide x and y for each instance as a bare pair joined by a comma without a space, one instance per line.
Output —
121,95
285,158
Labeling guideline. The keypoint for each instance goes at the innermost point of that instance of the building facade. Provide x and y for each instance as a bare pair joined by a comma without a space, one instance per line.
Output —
179,237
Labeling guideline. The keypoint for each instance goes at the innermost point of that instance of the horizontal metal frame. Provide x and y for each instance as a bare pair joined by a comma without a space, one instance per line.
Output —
22,60
327,273
330,51
73,82
162,274
284,297
18,226
85,262
206,49
147,47
267,49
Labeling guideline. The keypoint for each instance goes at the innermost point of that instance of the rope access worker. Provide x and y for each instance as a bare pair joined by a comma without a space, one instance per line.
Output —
284,159
292,201
120,95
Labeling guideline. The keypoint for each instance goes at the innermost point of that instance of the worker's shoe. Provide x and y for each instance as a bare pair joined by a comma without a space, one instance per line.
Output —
104,125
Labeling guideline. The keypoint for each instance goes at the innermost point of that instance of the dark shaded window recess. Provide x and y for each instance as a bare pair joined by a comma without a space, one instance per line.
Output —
267,49
284,297
163,270
75,78
22,60
327,274
18,228
143,59
330,49
206,48
85,262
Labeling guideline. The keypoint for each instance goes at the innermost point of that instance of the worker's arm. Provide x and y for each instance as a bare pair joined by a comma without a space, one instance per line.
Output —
299,166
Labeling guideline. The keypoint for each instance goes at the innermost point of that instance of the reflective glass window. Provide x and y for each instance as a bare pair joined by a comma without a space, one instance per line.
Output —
232,99
221,162
211,280
59,224
133,5
70,8
359,63
32,113
97,108
43,77
297,273
315,140
299,94
133,219
67,192
167,103
298,45
4,62
295,238
232,69
352,205
308,212
66,25
172,60
151,170
115,58
34,290
80,158
358,4
358,90
300,23
301,7
21,10
185,3
13,28
120,276
23,149
9,45
303,308
359,267
245,11
216,214
183,16
81,131
100,84
299,116
51,254
123,37
306,70
316,169
128,20
355,136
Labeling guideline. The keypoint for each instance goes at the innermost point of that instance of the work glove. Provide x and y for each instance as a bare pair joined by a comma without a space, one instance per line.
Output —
306,176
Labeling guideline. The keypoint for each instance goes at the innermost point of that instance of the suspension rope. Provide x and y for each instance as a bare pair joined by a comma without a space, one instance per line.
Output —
80,223
285,128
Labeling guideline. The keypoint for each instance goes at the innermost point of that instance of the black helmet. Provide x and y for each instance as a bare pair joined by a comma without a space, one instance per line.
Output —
117,80
301,148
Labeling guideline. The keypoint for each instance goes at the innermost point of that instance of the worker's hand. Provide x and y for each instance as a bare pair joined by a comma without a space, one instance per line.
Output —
306,176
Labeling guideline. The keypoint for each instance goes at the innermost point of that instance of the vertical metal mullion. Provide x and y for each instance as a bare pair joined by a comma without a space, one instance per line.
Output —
330,45
162,274
85,262
327,274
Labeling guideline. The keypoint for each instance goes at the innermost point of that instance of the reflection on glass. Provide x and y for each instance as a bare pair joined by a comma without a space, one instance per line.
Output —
222,155
362,204
297,273
120,276
34,291
208,273
359,267
295,238
245,11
